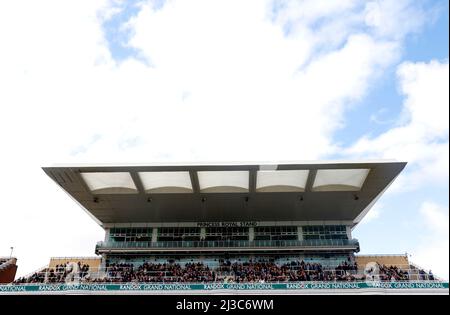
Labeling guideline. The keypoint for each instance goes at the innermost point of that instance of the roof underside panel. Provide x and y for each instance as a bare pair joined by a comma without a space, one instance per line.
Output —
109,182
166,182
281,181
223,181
340,179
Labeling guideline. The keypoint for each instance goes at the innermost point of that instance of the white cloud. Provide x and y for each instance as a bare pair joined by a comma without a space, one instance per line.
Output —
421,137
394,18
426,87
433,251
224,83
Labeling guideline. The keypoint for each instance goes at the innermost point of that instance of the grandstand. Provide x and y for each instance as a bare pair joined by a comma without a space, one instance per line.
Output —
231,228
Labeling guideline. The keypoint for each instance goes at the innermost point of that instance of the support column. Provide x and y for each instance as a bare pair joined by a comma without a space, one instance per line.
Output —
202,234
348,229
154,235
300,233
107,234
101,272
251,234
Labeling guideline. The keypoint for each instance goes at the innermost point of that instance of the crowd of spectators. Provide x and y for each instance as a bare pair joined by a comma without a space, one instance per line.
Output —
61,273
160,272
426,276
227,271
392,273
36,277
264,271
347,266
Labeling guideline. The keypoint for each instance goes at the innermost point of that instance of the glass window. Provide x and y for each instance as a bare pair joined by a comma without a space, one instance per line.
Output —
131,234
276,233
226,233
324,232
179,234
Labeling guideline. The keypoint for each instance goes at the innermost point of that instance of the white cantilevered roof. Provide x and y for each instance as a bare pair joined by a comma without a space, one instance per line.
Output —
290,191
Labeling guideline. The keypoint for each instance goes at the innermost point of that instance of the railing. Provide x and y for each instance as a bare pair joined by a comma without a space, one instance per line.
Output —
324,286
39,271
173,273
227,244
218,276
246,283
418,271
73,258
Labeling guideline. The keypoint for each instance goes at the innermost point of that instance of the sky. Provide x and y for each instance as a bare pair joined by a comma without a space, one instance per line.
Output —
149,81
